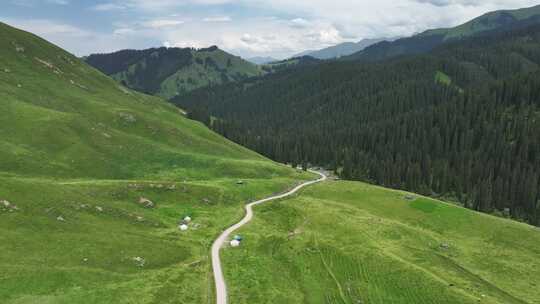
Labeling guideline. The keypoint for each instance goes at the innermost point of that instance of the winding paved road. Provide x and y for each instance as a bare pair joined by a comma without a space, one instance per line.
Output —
221,287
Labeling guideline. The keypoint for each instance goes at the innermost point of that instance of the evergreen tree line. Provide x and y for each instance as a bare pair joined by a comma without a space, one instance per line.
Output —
472,135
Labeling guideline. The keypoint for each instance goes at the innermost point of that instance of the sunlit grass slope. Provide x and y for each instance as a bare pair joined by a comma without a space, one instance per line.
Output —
349,242
77,154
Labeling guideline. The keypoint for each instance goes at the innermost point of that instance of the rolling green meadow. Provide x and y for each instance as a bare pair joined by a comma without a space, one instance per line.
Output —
172,72
350,242
95,179
78,154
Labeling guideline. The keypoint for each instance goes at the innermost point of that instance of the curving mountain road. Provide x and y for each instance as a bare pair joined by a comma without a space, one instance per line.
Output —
221,287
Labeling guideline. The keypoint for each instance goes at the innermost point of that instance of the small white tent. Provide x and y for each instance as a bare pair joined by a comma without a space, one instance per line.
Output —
183,227
235,243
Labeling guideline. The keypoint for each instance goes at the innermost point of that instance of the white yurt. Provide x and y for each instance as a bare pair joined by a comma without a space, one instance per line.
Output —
235,243
183,227
187,219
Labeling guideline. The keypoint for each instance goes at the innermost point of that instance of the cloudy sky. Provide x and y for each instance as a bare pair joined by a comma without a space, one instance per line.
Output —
277,28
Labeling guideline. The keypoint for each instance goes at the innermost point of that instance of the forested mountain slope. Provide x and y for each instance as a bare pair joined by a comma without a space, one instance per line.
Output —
427,41
168,72
95,178
461,122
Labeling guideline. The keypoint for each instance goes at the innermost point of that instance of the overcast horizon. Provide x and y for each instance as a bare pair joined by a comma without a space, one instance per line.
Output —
277,29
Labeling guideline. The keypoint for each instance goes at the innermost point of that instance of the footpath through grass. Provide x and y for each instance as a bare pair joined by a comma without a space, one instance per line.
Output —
79,157
349,243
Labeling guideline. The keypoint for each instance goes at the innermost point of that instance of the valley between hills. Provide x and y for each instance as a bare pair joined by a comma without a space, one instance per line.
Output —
126,177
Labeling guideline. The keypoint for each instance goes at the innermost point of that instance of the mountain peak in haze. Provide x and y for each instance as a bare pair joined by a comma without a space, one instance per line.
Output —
262,60
342,49
424,42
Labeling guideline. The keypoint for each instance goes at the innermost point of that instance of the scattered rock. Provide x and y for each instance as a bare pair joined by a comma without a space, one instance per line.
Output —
19,49
7,71
8,206
445,246
139,261
82,86
49,65
410,197
127,117
107,135
240,182
140,218
99,209
60,219
85,260
294,233
19,85
172,187
124,90
206,200
146,202
66,59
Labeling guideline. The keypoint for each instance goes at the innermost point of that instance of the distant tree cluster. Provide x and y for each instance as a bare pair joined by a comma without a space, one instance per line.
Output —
474,137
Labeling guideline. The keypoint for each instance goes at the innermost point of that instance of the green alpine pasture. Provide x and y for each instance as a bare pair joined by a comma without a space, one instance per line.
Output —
350,242
487,22
225,68
172,72
95,179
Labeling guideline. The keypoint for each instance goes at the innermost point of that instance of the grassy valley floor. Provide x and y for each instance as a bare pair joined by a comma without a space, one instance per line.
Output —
90,241
80,159
349,242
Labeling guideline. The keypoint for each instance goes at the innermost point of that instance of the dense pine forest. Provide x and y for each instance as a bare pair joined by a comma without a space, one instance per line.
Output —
461,122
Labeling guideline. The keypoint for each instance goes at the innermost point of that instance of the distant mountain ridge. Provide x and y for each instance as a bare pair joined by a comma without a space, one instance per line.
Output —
429,40
262,60
169,72
342,49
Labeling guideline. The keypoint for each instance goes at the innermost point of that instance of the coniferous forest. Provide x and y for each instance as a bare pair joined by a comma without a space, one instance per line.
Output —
460,122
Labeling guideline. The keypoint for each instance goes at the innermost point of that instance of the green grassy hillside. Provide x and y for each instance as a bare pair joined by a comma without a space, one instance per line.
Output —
488,22
497,21
79,157
349,242
169,72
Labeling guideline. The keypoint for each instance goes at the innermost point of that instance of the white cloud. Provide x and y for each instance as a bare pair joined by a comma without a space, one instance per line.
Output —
218,19
45,27
300,23
277,28
59,2
162,23
81,41
32,3
124,31
108,7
